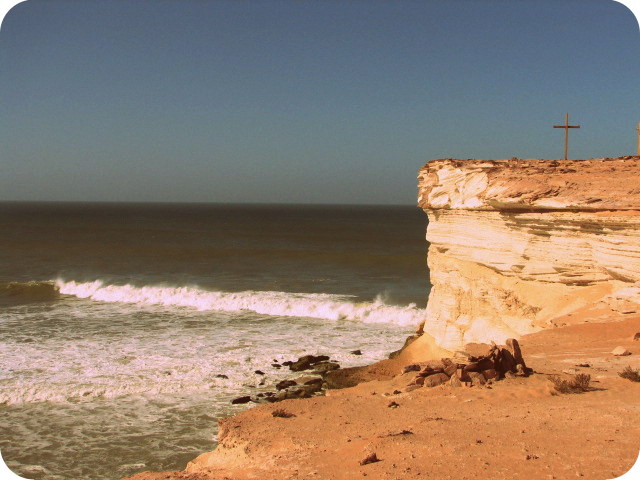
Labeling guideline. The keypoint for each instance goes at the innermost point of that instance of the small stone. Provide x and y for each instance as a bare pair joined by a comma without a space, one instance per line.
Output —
620,352
393,405
356,352
584,365
636,337
240,400
280,413
371,458
220,375
411,388
455,381
259,372
276,365
396,392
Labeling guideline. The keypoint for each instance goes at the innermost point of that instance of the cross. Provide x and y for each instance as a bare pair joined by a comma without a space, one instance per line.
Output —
566,127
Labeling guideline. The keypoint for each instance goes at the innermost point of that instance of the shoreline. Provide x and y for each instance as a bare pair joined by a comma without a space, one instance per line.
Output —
520,425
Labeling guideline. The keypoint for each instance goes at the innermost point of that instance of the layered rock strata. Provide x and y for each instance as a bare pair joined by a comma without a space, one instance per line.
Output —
515,244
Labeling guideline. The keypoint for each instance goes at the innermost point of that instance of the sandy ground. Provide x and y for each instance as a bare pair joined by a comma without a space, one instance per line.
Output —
520,428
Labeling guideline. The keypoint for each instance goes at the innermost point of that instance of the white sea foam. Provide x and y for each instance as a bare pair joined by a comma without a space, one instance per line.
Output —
314,305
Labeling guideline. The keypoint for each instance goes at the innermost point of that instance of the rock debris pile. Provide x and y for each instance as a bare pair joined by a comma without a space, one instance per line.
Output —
464,369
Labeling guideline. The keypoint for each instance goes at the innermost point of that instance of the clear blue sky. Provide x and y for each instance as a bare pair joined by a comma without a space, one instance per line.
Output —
303,102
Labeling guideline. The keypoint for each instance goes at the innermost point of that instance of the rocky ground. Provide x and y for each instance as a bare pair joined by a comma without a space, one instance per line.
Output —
519,427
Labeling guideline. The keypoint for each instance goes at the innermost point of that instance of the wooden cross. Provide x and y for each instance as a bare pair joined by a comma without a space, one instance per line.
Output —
566,127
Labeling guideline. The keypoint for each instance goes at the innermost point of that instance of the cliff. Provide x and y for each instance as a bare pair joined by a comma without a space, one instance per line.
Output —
515,246
519,245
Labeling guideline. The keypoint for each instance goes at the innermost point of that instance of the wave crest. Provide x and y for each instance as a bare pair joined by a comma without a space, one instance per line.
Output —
314,305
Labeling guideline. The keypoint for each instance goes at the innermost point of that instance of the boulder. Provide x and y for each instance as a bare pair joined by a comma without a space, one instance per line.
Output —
240,400
436,379
477,379
620,352
427,371
489,373
414,367
451,369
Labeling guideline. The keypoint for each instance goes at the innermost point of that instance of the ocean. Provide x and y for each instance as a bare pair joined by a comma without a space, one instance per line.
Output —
116,319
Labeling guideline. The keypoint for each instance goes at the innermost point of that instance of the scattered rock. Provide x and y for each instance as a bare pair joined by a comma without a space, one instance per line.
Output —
276,365
259,372
324,367
312,381
636,337
584,365
240,400
396,433
393,405
396,392
355,352
285,384
620,352
220,375
306,362
371,458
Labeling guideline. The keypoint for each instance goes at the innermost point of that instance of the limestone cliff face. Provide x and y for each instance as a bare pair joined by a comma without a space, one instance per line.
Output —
514,244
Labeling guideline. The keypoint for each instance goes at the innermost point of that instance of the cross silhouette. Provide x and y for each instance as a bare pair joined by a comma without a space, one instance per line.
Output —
566,127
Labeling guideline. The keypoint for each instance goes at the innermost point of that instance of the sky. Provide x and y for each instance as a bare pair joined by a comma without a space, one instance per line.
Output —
320,101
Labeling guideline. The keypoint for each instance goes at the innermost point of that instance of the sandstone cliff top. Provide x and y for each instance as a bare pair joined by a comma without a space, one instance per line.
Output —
531,184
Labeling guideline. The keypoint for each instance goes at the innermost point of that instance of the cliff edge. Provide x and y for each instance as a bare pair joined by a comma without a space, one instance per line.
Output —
519,245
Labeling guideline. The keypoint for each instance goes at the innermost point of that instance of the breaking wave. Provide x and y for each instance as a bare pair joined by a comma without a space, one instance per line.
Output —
314,305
